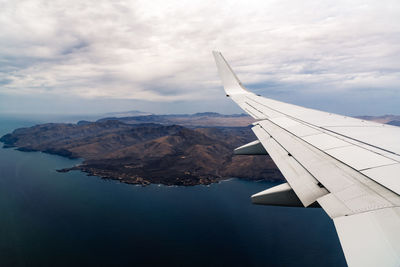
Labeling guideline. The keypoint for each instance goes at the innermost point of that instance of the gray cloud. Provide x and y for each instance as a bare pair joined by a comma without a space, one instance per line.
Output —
161,50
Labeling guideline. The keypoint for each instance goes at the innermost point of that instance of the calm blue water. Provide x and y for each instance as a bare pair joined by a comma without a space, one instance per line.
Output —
64,219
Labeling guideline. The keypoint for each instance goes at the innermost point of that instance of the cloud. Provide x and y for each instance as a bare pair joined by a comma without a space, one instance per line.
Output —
161,50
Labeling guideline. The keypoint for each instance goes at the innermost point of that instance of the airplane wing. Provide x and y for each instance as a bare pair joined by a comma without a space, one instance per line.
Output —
349,167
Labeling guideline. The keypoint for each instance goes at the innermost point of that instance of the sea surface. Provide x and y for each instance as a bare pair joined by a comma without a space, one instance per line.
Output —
70,219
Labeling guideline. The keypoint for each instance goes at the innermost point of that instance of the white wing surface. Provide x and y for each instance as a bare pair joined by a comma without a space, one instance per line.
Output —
350,167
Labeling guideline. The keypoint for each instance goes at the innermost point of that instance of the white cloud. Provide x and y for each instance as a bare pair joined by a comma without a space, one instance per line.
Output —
161,50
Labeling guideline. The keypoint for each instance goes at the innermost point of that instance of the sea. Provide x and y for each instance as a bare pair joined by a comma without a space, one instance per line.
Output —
70,219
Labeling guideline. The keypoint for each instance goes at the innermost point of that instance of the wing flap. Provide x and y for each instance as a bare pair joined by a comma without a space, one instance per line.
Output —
303,183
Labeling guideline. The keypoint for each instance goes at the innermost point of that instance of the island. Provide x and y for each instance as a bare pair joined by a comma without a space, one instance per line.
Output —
152,149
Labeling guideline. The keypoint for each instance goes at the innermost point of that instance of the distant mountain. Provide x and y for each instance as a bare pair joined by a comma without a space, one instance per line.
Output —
381,119
147,152
395,122
127,113
208,119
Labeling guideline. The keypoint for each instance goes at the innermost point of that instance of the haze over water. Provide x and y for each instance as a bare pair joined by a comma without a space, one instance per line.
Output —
63,219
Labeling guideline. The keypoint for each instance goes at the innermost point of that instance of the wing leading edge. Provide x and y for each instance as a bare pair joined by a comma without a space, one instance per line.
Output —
348,166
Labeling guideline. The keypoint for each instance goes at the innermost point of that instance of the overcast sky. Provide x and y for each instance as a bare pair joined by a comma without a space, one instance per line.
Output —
99,56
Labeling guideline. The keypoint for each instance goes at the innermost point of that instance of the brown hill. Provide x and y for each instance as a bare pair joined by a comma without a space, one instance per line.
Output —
148,153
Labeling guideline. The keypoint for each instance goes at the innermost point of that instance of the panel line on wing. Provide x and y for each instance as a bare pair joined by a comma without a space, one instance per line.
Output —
365,143
378,166
324,127
256,109
251,113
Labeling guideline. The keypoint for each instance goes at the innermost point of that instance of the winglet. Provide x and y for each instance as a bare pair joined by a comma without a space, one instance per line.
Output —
230,81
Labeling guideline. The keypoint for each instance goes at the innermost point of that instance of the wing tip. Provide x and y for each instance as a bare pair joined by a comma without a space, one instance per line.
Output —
230,81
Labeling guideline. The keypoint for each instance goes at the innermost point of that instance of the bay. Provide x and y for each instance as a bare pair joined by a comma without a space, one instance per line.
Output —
69,219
